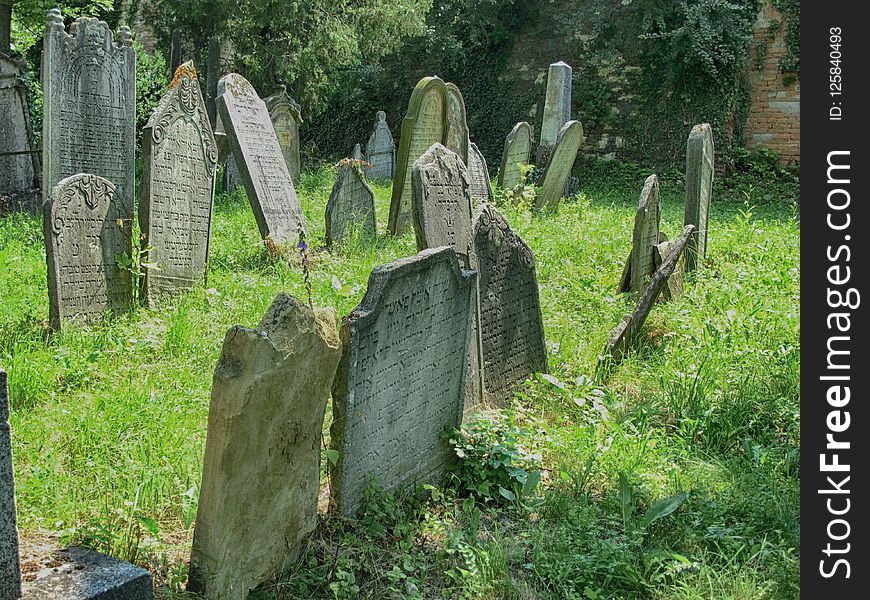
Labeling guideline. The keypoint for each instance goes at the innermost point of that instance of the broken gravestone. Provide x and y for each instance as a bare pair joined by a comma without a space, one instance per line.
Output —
478,174
517,151
19,164
351,206
457,126
10,567
557,109
644,238
559,168
380,149
401,379
699,186
286,118
261,472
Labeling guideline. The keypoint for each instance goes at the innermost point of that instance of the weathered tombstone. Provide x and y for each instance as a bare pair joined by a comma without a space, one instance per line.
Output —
357,153
259,158
644,238
380,149
423,125
286,118
511,325
401,378
559,168
351,205
179,158
478,174
261,471
457,126
674,289
699,186
19,164
517,150
89,106
86,227
10,567
557,109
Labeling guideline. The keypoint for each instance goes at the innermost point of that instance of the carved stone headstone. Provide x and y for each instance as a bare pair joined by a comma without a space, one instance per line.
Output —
457,126
557,109
401,378
179,158
89,106
10,567
286,118
261,471
699,187
511,325
517,150
644,238
559,168
424,124
86,228
19,165
357,153
351,205
478,174
260,160
380,149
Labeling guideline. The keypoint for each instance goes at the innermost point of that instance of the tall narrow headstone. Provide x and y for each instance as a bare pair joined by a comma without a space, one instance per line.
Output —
19,165
559,168
179,158
517,150
380,149
557,109
286,118
86,230
351,205
10,567
401,378
260,160
478,173
357,153
644,238
699,187
457,126
89,106
423,125
261,471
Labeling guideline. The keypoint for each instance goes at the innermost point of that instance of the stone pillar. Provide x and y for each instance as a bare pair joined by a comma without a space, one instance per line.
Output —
557,109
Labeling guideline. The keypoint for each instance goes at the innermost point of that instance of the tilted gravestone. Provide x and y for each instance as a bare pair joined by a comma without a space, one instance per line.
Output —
401,378
286,118
644,238
517,150
557,109
478,174
351,206
260,160
457,126
86,231
19,165
699,187
380,149
261,471
674,288
511,325
559,168
10,566
179,158
423,125
89,106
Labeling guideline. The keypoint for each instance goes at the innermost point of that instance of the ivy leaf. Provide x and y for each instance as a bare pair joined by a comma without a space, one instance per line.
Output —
332,456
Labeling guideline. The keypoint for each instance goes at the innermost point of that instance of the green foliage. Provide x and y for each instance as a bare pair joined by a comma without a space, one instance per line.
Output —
28,19
151,84
791,13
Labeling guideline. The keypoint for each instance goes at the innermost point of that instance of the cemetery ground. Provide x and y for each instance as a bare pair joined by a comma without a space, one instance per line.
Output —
109,421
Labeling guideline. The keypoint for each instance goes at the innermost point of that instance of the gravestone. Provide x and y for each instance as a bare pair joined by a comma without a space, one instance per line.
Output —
351,205
424,124
559,168
259,158
261,471
10,567
511,325
89,106
179,158
86,228
478,174
457,126
357,153
517,150
401,378
286,118
557,109
19,164
674,288
380,149
699,187
644,238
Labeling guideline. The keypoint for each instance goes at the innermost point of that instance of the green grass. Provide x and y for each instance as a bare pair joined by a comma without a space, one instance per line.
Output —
109,420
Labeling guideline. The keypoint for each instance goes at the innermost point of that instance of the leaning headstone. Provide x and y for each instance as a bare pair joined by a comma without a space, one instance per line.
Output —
423,125
457,126
10,567
179,158
699,187
357,153
19,164
644,238
481,187
401,378
511,325
286,118
89,106
559,168
517,150
260,160
261,471
351,205
86,228
557,109
380,149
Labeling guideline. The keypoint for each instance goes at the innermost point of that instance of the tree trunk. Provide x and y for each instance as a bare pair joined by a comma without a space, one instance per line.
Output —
5,25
